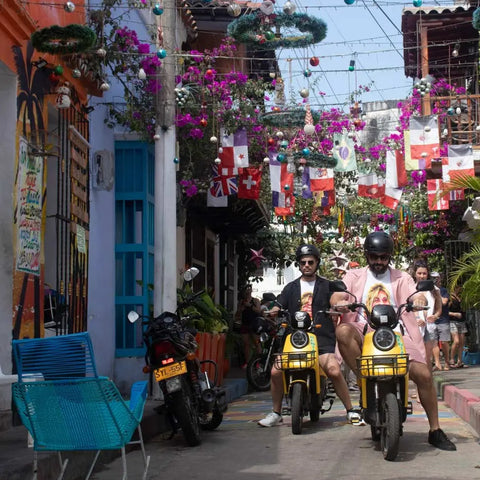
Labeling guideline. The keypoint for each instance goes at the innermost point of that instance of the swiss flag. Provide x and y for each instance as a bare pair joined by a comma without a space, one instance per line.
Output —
396,175
249,182
437,201
368,186
321,179
392,197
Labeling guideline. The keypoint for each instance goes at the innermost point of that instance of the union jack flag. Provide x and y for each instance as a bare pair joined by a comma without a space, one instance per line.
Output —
221,185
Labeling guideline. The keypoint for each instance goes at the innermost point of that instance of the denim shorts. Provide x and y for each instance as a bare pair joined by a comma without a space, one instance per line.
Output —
437,332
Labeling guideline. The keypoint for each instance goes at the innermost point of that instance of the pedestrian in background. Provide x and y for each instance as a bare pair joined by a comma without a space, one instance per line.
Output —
458,327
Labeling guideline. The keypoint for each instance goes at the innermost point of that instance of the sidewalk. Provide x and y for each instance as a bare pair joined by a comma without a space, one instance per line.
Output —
16,458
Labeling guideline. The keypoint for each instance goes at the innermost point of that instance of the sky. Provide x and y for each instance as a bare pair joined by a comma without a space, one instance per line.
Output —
369,32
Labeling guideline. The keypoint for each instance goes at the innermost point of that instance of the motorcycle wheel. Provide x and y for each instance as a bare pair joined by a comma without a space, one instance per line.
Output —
258,374
390,435
184,411
314,407
211,421
297,408
375,431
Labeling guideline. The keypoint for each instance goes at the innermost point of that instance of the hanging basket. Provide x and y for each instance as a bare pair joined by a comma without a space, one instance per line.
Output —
63,40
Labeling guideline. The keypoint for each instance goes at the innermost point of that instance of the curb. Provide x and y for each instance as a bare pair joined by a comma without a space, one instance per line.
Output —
464,403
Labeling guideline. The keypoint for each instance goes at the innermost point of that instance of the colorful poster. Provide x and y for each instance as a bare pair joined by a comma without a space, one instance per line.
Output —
29,211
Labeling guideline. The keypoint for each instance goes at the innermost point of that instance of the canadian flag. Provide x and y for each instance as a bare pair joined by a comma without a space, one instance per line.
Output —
460,162
437,201
422,142
249,183
321,179
396,175
368,186
392,197
234,152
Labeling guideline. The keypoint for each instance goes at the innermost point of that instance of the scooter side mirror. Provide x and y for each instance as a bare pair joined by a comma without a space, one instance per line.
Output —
190,274
425,286
337,286
133,316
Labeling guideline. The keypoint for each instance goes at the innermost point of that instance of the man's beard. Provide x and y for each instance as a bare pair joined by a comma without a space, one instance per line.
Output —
378,268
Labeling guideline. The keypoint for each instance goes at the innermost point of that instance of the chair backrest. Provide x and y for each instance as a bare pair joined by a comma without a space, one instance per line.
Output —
55,358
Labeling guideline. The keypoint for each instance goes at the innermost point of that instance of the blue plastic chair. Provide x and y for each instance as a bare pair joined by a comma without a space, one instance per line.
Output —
70,408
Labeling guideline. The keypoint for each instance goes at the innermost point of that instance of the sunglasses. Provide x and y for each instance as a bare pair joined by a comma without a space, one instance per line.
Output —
307,262
382,258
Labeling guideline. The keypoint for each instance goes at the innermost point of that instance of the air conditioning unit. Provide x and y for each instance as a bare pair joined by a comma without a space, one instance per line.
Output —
102,170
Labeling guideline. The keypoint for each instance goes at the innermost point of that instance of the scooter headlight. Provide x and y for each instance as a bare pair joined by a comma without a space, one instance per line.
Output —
299,339
384,338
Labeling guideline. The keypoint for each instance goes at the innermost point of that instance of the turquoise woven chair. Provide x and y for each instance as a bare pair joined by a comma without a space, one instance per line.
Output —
80,414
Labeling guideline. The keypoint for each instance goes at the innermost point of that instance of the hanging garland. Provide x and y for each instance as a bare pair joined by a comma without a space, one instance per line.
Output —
287,118
317,159
248,30
58,40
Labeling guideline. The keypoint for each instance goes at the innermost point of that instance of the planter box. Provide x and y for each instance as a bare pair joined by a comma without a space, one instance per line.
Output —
212,347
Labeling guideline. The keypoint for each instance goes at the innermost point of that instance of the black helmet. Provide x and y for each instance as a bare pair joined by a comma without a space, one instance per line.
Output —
378,242
303,250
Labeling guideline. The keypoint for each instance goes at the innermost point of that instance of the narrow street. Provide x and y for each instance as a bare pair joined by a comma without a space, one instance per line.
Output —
330,449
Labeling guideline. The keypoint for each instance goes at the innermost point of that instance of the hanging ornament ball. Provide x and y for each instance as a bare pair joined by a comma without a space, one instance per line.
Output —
156,137
314,61
161,53
213,139
76,73
271,141
104,87
477,128
417,3
203,122
69,7
266,160
157,9
450,111
234,9
176,160
220,150
54,78
304,187
269,35
101,52
458,110
58,70
279,134
272,74
209,72
281,157
289,8
349,2
303,161
309,129
284,143
424,154
427,128
141,74
306,152
286,187
304,93
307,73
218,161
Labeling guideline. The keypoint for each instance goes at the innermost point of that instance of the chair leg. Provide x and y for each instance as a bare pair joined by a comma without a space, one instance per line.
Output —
92,466
35,465
63,466
124,464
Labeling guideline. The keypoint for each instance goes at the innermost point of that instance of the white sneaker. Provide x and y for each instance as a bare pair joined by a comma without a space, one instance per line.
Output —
271,420
354,416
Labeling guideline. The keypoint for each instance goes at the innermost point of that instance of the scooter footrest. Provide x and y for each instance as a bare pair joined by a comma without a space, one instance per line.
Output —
409,408
286,411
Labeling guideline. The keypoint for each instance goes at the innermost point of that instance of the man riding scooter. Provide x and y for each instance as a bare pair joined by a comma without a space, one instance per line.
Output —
310,293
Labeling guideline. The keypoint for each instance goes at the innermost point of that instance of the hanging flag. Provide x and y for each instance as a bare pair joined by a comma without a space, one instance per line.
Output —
222,185
422,142
457,194
437,201
249,183
321,179
284,203
460,162
392,197
325,198
368,186
234,153
396,175
344,152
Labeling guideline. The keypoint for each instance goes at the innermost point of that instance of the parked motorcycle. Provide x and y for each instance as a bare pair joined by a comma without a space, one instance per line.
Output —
192,400
259,366
383,370
304,381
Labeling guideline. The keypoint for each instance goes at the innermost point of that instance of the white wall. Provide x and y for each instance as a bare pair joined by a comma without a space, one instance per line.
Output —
8,97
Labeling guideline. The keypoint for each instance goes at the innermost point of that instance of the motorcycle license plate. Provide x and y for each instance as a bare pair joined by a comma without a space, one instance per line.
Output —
170,371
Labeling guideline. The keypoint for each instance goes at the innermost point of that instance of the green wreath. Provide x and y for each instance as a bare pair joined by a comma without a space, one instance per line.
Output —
287,118
56,40
246,30
317,159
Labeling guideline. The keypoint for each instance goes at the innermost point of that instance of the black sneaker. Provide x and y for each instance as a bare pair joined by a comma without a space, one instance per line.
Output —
438,439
